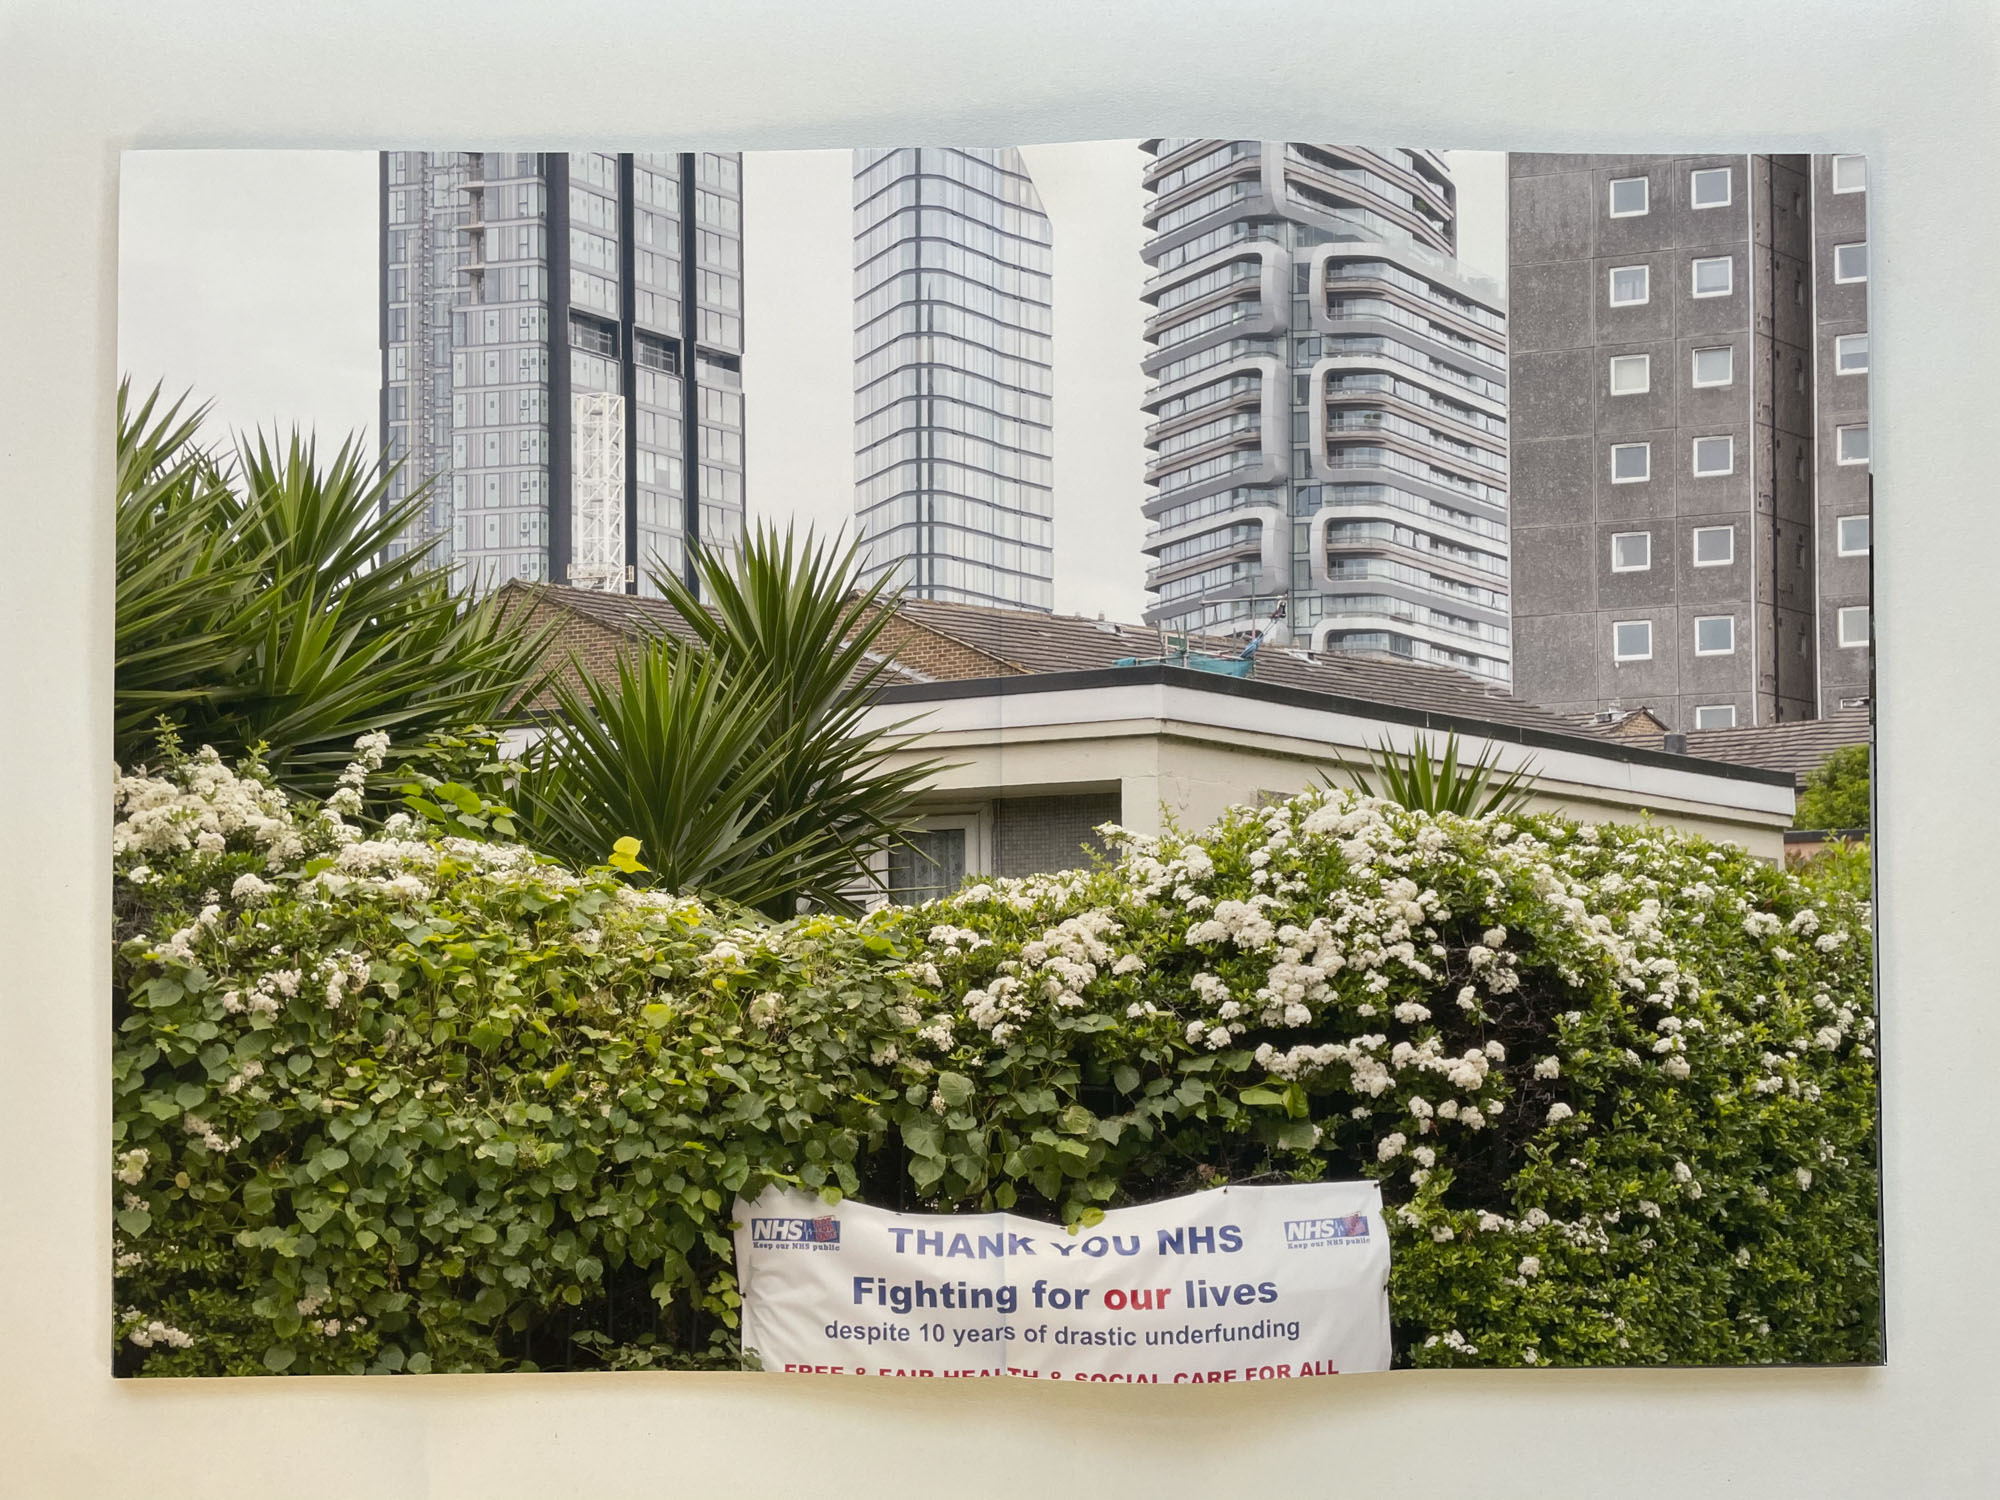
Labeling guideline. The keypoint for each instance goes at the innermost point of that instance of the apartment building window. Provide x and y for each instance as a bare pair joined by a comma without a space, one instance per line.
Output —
1631,374
1714,276
1629,197
1850,174
1630,285
1715,367
1715,716
1714,455
1851,444
1852,533
1714,635
1714,546
1709,188
1632,640
1850,262
1854,626
1850,354
1631,463
1631,551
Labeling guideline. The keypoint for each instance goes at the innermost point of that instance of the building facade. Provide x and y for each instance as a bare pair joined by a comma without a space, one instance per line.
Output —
562,351
1691,495
953,382
1328,426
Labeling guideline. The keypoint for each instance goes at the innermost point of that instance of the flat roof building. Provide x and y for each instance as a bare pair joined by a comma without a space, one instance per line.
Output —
1691,501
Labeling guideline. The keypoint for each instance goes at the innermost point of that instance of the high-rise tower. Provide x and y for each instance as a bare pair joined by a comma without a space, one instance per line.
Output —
952,376
1328,404
562,343
1691,493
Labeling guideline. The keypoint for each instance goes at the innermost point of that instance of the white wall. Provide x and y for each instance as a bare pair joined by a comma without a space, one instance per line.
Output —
1912,85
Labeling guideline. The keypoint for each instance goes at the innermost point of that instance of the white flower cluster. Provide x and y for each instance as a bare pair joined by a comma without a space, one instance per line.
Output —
149,1333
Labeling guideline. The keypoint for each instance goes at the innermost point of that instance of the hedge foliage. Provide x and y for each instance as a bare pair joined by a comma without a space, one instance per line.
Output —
398,1099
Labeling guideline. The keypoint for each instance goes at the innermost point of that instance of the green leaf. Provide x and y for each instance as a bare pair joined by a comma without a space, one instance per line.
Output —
954,1088
278,1359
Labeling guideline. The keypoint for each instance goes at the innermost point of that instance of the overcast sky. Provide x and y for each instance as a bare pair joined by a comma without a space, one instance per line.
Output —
250,278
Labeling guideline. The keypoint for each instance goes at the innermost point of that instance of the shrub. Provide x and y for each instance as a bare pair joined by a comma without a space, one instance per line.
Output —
1835,795
415,1101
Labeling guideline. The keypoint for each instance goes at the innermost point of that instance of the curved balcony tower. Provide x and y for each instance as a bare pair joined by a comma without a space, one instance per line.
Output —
1328,408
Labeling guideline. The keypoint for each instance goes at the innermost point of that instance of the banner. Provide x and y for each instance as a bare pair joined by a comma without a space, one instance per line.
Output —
1239,1283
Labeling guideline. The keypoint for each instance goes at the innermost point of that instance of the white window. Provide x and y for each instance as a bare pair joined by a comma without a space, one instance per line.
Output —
1631,551
1715,366
1631,463
1631,374
1709,188
1854,536
939,854
1714,546
1632,640
1630,285
1854,625
1850,354
1714,635
1628,197
1850,174
1851,444
1850,262
1714,276
1714,455
1715,716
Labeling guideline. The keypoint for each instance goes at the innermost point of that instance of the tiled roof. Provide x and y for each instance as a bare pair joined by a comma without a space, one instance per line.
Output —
1798,746
1036,642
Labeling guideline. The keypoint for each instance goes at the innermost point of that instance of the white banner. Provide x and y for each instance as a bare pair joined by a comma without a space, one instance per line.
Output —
1241,1283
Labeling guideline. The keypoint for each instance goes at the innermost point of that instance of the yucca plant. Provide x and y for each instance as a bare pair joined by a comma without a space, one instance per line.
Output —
738,757
1425,781
260,605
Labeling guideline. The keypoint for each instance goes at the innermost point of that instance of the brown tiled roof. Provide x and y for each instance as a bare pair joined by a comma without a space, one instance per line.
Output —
931,641
1619,724
1797,746
1033,642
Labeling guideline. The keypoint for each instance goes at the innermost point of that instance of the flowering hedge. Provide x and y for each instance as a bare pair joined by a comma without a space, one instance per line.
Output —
400,1100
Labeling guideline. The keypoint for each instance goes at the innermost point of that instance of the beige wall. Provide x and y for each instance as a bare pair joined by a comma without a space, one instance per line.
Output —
1191,776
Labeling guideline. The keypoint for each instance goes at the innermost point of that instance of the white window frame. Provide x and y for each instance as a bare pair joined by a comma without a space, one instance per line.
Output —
1694,546
1727,262
1645,365
1840,444
1842,280
1701,650
1728,187
1845,617
1834,173
1645,193
1694,366
1645,286
977,821
1841,343
1694,456
1638,567
1645,449
1715,708
1617,655
1841,549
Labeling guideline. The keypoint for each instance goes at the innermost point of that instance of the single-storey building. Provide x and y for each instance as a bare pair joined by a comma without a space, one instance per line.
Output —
1055,724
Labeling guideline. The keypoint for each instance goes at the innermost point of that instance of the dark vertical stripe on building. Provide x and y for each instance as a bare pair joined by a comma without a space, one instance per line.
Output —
555,178
690,396
628,297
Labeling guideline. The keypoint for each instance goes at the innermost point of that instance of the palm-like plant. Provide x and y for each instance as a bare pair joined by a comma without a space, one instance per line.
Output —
265,608
739,758
1427,782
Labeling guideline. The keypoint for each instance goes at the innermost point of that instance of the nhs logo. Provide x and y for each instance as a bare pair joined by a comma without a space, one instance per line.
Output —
795,1234
1308,1234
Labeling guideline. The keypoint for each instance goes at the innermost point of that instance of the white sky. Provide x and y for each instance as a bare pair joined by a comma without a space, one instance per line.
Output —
250,277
